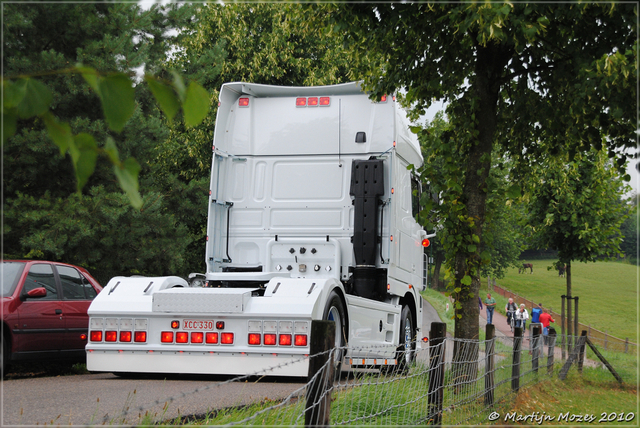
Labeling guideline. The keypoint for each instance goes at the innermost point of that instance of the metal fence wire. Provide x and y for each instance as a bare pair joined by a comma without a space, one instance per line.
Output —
449,382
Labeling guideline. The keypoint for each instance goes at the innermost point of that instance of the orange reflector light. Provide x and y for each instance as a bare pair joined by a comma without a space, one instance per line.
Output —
211,338
83,336
394,144
270,339
227,338
425,242
313,101
140,336
391,237
285,340
197,337
301,102
425,339
125,336
175,324
96,336
388,287
166,337
243,102
383,99
325,101
301,340
220,325
410,286
393,190
110,336
182,337
254,339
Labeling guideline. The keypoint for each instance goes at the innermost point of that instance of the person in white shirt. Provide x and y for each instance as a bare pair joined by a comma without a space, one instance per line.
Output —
521,317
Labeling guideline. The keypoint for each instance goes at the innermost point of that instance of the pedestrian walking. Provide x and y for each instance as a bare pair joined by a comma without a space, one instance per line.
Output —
545,320
490,305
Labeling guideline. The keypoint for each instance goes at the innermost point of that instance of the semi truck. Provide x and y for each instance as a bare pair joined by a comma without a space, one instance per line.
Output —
311,216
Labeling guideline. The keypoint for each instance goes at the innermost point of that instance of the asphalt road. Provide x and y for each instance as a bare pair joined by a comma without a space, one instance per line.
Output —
97,398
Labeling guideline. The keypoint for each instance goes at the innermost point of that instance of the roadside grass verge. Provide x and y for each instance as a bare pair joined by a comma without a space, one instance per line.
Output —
608,293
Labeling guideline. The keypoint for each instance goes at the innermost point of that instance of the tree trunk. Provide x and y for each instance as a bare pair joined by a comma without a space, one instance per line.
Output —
569,316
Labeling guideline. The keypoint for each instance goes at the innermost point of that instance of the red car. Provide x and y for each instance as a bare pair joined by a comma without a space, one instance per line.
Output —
44,310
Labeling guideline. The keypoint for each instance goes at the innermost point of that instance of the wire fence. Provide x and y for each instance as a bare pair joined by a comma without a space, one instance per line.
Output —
608,341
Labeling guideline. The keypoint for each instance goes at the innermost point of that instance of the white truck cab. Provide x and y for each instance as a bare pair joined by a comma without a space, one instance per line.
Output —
311,216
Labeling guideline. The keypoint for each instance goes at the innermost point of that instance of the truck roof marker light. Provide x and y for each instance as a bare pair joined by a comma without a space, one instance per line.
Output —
211,338
96,336
393,98
243,102
227,338
325,101
301,102
313,102
197,337
285,340
410,286
166,337
425,243
175,324
255,339
207,238
300,340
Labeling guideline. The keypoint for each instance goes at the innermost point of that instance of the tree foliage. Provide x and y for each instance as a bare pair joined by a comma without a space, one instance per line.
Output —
520,79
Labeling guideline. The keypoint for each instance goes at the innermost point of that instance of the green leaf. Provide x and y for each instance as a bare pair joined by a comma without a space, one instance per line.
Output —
59,132
466,280
196,105
117,96
9,124
12,94
86,161
178,84
112,151
36,100
514,191
475,238
90,76
471,248
127,175
415,129
165,96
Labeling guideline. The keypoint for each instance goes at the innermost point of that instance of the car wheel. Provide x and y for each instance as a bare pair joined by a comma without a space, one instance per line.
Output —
406,353
334,311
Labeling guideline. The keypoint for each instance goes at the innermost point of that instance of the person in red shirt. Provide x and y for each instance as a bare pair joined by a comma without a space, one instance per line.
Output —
545,319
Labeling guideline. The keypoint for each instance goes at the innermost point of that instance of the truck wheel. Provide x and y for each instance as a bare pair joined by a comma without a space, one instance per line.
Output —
406,353
334,311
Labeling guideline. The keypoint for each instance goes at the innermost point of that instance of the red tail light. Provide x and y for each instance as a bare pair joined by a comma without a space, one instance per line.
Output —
383,99
227,338
182,337
211,338
83,336
140,336
313,101
125,336
197,337
285,340
325,101
301,340
96,336
269,339
254,339
301,102
166,337
110,336
243,102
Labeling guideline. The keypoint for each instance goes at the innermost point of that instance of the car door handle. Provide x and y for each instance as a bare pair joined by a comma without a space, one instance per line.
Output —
58,311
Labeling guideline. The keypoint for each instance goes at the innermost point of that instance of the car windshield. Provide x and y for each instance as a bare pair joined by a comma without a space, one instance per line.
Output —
11,272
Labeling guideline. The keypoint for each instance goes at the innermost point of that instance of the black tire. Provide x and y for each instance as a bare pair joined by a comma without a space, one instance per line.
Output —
5,356
334,311
406,352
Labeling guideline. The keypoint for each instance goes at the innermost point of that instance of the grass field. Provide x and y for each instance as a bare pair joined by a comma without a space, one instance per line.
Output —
608,293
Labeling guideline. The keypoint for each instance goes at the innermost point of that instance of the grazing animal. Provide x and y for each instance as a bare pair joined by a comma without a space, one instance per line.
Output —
561,270
526,266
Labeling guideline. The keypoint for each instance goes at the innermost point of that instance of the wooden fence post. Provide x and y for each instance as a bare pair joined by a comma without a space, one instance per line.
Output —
626,345
582,345
490,364
437,336
550,353
535,348
575,318
515,368
318,406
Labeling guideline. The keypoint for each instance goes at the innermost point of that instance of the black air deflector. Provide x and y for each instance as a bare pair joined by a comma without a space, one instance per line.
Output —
367,185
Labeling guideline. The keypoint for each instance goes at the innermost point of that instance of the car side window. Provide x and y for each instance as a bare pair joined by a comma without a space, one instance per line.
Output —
73,283
41,275
89,291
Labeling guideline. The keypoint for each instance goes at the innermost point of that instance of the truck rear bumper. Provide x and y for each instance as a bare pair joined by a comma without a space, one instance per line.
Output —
194,362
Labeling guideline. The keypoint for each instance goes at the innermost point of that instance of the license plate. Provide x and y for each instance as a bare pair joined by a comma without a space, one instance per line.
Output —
198,324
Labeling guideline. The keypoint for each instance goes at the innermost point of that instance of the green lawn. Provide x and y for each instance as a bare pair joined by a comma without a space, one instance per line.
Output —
608,293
